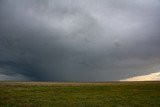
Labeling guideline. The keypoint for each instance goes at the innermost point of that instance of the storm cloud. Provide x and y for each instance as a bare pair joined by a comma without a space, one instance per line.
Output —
78,40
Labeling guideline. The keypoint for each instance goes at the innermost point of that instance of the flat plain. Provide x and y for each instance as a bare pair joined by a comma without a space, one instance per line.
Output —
76,94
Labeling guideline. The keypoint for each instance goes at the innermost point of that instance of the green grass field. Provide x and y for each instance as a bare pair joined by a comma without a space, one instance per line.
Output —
110,94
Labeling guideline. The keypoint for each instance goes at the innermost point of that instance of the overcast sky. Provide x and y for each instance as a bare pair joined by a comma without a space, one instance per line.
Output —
78,40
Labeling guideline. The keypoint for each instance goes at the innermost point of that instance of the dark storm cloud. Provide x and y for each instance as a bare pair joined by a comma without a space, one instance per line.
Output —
65,40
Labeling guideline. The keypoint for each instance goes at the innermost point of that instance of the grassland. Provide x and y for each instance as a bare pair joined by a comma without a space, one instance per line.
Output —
110,94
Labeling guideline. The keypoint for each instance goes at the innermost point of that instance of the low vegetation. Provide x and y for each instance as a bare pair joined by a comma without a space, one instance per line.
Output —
110,94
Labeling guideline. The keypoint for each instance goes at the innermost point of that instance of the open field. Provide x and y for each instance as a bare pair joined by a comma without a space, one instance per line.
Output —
110,94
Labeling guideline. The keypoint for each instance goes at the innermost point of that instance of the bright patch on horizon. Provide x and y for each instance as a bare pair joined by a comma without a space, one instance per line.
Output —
149,77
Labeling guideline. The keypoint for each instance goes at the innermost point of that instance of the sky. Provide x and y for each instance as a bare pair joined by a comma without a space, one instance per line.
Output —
78,40
148,77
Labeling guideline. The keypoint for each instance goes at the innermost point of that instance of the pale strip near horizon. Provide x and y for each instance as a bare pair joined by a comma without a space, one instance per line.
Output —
148,77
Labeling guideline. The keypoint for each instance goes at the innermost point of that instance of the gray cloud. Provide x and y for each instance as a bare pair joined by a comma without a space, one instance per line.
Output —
94,40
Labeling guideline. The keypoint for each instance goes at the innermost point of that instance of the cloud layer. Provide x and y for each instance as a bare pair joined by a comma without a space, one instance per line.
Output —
74,40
